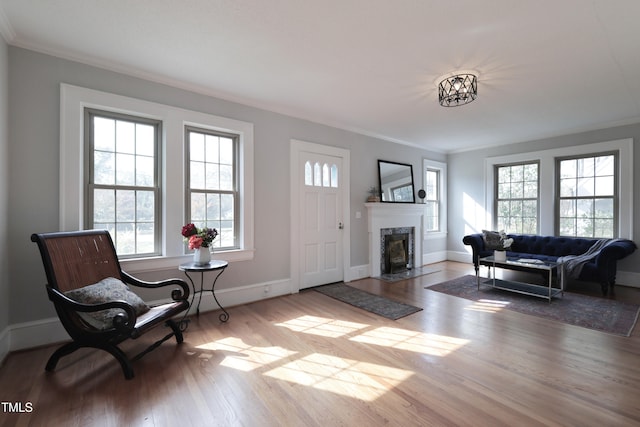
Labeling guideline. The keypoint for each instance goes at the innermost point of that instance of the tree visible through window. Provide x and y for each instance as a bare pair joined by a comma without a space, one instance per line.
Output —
435,198
587,202
517,197
123,189
432,200
213,183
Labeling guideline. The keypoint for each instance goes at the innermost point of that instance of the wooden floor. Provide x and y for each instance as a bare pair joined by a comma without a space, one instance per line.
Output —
308,360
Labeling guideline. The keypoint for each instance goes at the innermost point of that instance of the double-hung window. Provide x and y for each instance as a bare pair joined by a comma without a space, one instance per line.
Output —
587,189
517,194
432,200
122,176
434,181
212,184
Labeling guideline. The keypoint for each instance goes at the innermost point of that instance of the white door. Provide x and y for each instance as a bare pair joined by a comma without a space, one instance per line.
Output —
319,246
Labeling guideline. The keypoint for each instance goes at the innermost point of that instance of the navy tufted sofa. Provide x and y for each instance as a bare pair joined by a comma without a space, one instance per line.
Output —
602,269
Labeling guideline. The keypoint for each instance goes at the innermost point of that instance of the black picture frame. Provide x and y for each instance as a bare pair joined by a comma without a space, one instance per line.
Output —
395,181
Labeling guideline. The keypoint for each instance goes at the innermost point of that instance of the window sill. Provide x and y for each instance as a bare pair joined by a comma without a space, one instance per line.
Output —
141,265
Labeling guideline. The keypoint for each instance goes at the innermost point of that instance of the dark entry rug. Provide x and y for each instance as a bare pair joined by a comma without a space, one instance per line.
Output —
601,314
381,306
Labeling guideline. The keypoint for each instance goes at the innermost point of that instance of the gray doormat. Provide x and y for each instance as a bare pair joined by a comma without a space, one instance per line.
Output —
376,304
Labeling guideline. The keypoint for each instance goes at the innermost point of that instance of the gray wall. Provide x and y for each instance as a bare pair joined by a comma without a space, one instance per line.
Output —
467,183
29,153
34,152
4,188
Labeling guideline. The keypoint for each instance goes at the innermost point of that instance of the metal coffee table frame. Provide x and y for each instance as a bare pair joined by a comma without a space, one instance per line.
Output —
530,266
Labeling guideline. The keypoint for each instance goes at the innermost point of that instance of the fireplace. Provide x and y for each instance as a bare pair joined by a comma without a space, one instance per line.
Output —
396,249
395,218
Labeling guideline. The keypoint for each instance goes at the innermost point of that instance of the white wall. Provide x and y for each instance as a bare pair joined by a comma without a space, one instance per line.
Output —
34,152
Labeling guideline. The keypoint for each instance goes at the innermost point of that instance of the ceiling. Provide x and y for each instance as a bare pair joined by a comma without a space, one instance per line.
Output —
544,67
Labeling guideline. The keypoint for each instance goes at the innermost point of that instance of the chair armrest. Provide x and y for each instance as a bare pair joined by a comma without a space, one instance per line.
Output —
176,294
121,321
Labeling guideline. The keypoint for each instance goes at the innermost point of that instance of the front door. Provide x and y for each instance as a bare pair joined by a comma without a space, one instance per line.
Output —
321,225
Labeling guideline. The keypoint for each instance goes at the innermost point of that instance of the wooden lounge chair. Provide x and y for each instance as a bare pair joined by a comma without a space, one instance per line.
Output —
90,294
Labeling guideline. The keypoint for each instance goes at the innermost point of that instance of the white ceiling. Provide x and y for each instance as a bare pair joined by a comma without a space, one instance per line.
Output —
545,67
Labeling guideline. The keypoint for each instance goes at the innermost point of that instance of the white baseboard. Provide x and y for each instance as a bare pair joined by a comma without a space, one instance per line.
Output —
433,257
242,295
459,256
4,344
49,331
628,278
36,333
358,272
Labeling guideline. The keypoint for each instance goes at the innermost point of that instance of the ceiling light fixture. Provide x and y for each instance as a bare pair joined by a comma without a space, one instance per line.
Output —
457,90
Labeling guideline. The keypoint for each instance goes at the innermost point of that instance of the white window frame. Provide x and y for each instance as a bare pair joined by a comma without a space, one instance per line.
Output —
190,190
73,101
547,176
89,180
496,201
615,197
441,167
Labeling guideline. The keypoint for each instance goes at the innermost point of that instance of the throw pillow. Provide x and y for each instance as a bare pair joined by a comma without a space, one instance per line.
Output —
109,289
492,240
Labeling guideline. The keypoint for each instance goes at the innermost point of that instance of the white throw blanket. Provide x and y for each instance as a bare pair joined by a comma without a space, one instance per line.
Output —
573,263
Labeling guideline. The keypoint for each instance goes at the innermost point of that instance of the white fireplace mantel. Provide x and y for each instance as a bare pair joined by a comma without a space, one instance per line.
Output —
393,215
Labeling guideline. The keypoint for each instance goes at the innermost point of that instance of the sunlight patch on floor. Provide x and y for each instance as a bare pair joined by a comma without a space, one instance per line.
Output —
487,305
418,342
322,326
245,357
343,376
353,378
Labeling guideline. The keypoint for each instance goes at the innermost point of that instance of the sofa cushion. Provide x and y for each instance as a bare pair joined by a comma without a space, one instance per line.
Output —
492,240
106,290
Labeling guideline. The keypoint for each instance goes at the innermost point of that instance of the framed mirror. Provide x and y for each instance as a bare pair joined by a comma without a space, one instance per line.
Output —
396,182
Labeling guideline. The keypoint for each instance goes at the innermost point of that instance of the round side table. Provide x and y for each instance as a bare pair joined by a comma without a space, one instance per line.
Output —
214,265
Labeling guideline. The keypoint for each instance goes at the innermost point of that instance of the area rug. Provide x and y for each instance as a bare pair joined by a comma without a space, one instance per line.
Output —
381,306
407,274
601,314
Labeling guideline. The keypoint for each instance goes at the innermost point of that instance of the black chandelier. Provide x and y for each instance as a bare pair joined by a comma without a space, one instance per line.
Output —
457,90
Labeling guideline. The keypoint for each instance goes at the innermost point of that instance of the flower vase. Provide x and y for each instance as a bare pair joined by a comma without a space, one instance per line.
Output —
500,255
201,256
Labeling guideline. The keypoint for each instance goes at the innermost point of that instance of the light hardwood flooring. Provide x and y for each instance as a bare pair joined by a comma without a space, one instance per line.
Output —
308,360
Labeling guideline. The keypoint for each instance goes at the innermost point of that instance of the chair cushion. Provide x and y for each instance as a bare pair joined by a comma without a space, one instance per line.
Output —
109,289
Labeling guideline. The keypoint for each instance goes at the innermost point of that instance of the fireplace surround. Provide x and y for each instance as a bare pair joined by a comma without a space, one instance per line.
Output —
404,218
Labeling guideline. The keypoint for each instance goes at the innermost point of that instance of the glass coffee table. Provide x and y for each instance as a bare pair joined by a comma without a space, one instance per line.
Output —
549,269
